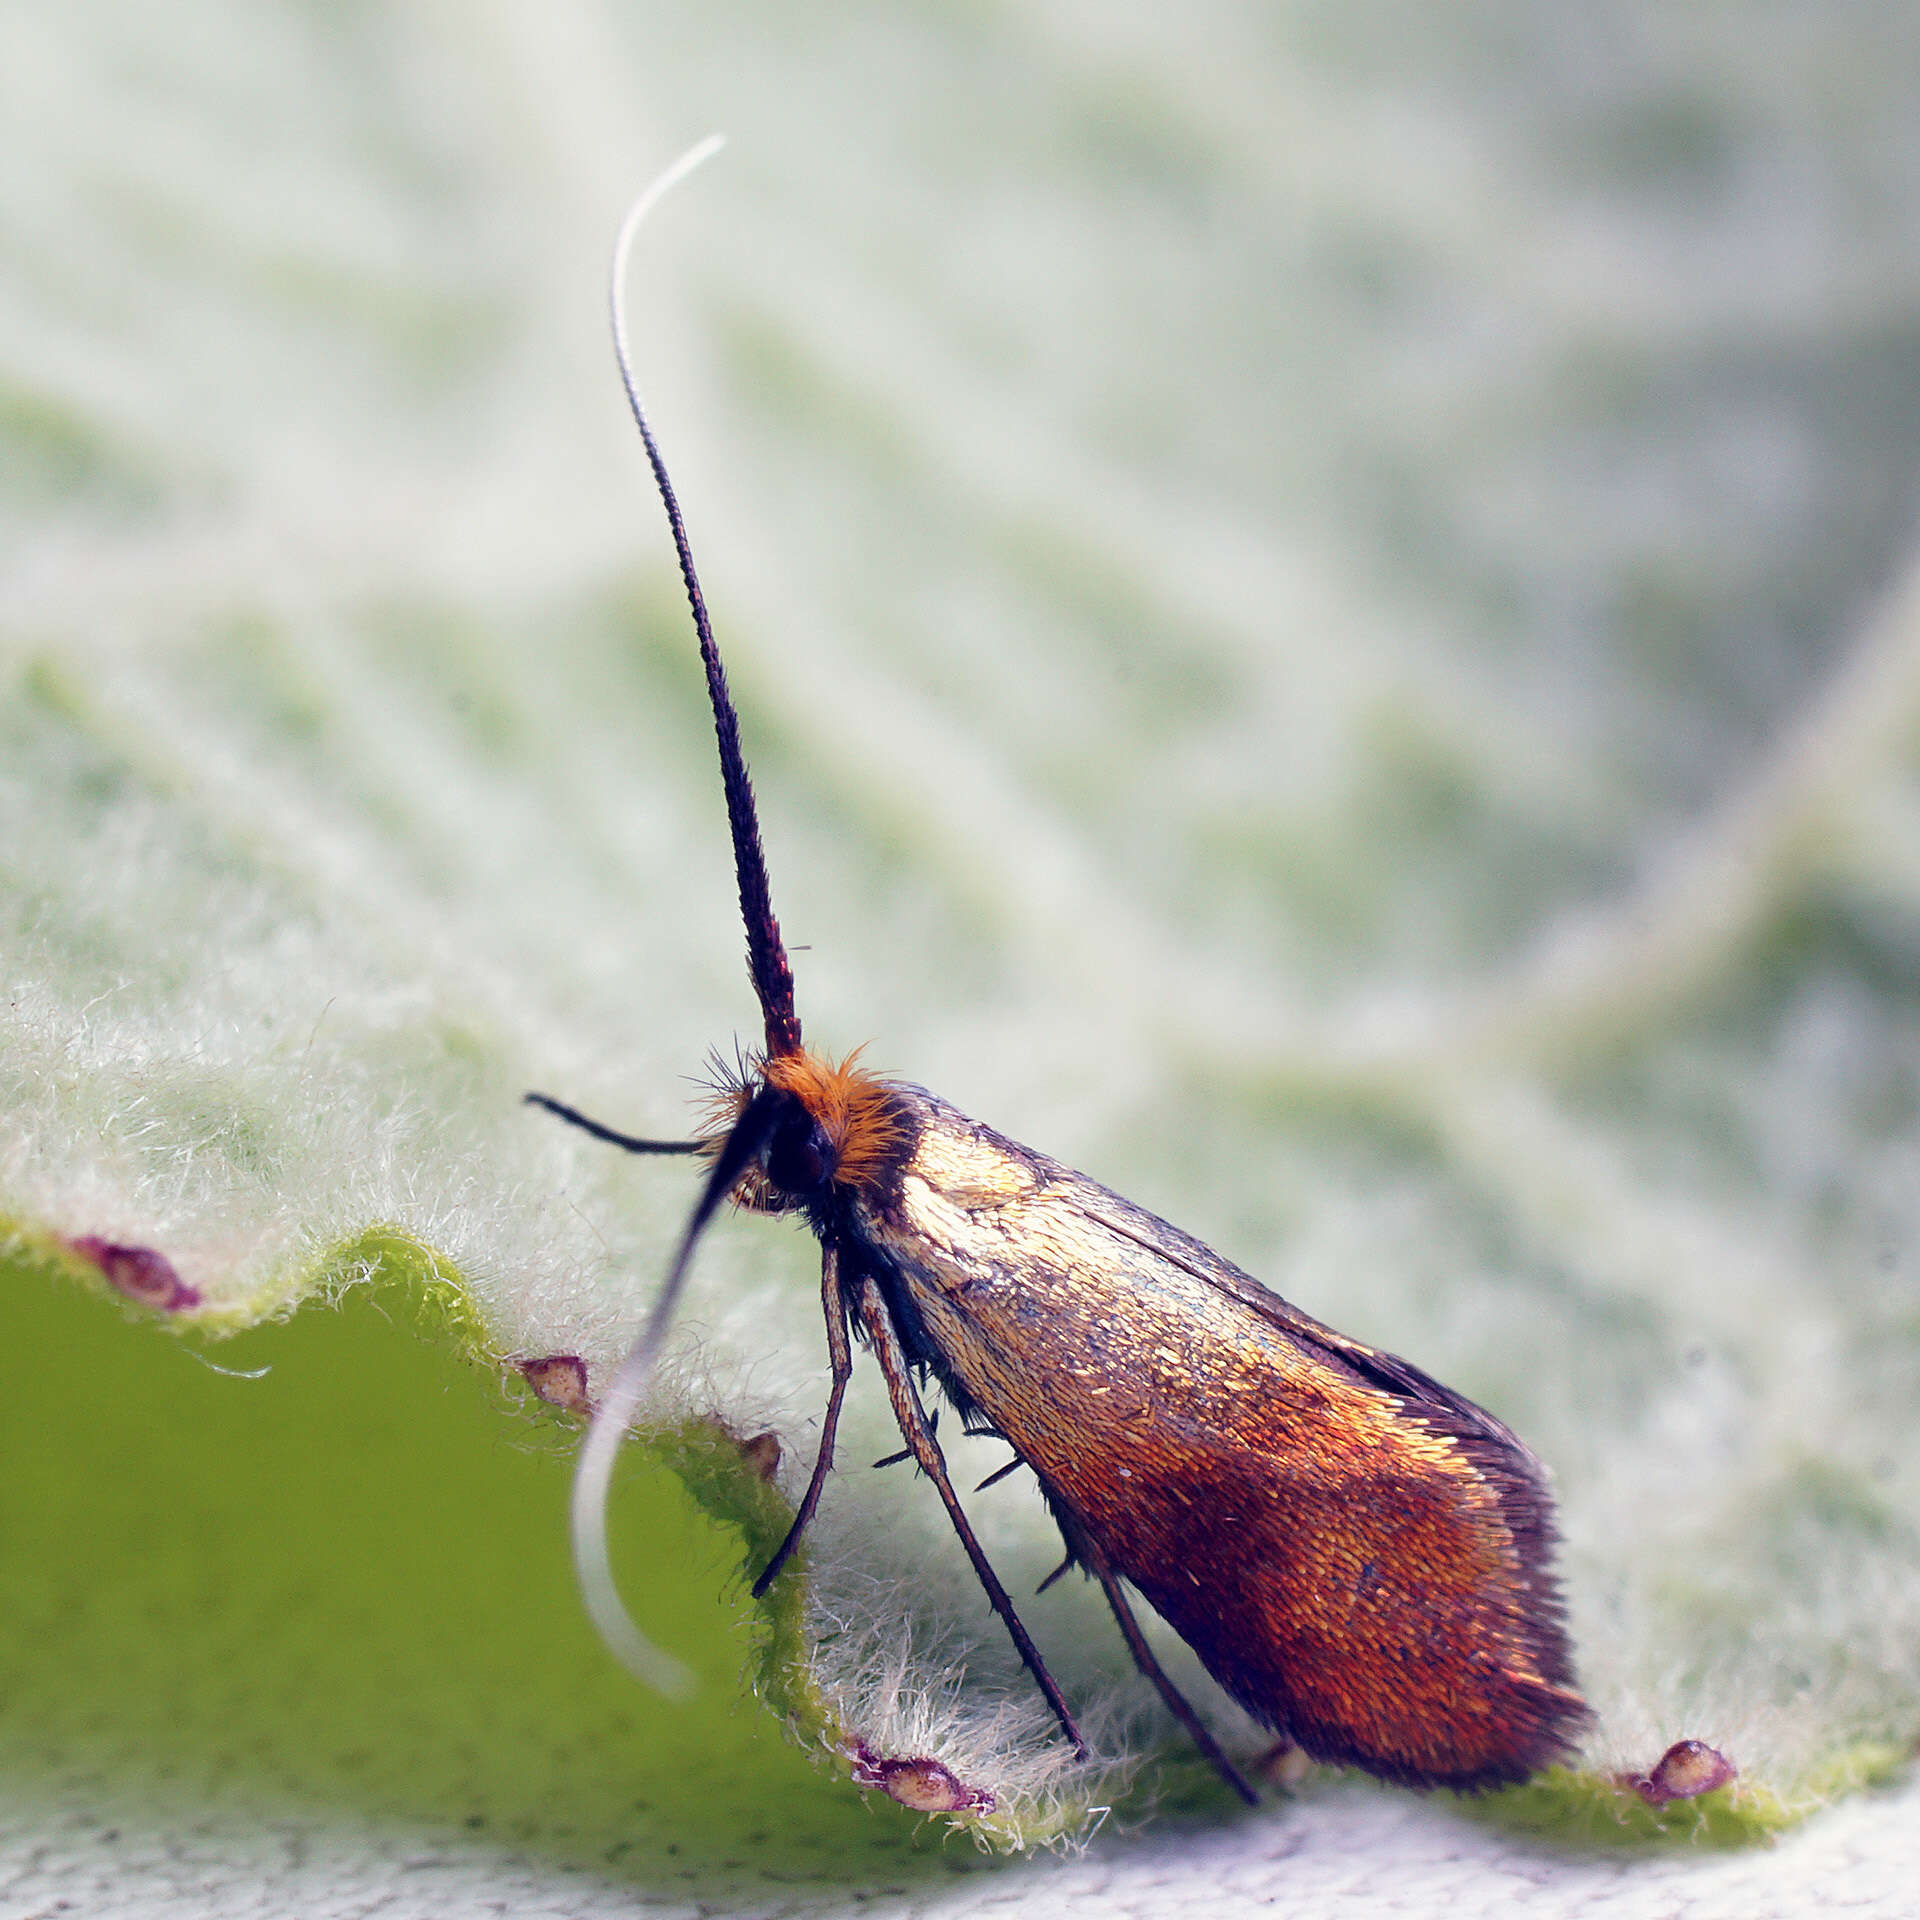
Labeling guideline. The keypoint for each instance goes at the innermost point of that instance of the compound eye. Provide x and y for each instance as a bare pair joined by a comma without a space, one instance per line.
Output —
799,1158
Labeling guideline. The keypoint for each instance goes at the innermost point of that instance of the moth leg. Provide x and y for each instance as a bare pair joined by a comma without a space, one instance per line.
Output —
906,1453
1000,1473
840,1358
1060,1572
628,1142
918,1434
1176,1701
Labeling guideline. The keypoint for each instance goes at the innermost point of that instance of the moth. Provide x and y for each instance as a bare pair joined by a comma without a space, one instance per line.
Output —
1360,1556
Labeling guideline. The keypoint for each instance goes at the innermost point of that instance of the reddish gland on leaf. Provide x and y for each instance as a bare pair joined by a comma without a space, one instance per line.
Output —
925,1785
144,1276
1283,1765
1686,1770
762,1454
560,1379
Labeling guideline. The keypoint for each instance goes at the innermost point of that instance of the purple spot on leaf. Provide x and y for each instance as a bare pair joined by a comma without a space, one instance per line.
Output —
1283,1765
1686,1770
140,1273
560,1379
924,1785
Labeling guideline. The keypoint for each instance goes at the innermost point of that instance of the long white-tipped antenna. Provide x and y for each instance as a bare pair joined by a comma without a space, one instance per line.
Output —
592,1482
767,964
650,198
593,1474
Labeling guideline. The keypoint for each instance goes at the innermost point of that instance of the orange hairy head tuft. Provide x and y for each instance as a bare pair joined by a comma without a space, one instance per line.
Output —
855,1109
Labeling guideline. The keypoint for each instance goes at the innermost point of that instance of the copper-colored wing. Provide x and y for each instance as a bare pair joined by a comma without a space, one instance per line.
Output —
1357,1554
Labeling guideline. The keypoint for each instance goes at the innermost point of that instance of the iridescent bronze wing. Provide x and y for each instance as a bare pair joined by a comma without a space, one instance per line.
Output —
1357,1554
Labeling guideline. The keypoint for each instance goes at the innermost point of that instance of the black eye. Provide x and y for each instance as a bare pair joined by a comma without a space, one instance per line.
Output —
799,1158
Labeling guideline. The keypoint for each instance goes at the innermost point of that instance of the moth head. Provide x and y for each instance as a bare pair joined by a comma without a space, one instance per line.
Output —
830,1125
